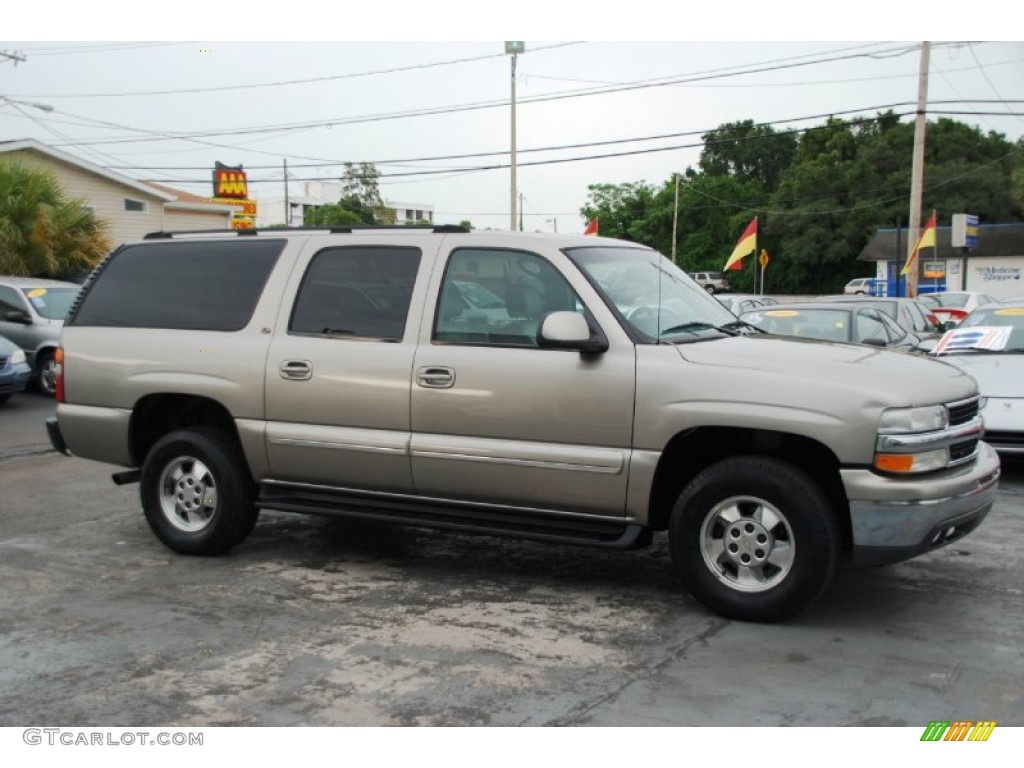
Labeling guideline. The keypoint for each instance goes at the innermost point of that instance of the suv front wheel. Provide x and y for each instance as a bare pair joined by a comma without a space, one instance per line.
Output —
197,493
754,538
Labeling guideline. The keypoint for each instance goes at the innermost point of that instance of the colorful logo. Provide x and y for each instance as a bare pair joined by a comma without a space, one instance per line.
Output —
230,182
958,730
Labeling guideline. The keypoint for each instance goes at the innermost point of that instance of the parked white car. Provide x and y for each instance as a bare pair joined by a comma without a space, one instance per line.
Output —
995,360
954,306
859,285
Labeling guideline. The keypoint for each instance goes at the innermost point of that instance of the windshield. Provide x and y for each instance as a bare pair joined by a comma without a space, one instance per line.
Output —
949,299
826,324
990,319
656,299
51,303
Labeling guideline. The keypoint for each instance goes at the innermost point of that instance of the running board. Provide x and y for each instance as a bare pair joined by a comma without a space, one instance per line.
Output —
610,535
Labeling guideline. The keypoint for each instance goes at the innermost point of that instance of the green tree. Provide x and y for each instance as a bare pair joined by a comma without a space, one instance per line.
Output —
361,194
620,209
848,180
42,231
1017,177
747,152
819,199
330,215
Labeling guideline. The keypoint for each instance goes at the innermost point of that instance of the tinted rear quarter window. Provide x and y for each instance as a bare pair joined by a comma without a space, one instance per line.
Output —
358,292
209,286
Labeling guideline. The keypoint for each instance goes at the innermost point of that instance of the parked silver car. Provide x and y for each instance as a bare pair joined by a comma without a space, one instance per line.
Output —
851,322
912,315
32,312
14,371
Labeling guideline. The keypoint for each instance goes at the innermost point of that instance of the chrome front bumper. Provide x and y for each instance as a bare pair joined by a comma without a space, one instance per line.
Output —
894,519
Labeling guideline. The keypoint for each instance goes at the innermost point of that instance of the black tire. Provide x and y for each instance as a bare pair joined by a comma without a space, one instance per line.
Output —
197,493
779,523
45,377
710,289
5,397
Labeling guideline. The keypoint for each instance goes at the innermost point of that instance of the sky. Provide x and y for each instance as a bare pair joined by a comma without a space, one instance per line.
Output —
596,102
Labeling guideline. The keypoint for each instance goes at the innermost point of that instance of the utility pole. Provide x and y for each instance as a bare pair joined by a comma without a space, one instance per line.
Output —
287,206
675,220
917,170
515,47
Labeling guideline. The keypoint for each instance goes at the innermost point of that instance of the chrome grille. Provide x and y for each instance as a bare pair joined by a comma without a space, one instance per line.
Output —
961,451
962,411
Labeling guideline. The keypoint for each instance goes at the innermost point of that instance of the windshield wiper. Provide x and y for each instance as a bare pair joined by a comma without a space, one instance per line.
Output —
695,326
743,326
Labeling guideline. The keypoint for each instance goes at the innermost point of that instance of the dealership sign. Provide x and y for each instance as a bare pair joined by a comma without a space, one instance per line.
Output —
231,187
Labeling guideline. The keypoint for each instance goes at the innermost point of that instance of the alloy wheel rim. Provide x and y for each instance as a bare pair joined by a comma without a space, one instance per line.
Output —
747,544
188,494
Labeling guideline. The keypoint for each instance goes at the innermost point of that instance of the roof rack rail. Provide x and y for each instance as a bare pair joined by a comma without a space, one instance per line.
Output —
348,229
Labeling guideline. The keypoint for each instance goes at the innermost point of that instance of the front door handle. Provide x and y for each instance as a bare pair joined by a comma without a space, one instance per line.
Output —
296,370
435,377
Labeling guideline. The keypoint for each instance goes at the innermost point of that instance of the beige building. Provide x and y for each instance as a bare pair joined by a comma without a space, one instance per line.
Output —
130,208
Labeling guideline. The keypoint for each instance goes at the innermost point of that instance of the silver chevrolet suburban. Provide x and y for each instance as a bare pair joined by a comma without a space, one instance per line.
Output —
559,388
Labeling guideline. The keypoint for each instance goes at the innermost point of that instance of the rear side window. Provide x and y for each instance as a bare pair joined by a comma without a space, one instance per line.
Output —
200,286
357,292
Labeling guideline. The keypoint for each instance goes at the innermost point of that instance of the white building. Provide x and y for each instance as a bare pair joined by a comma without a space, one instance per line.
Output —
271,211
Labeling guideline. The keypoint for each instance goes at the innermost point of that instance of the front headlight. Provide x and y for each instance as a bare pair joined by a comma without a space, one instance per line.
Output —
903,421
18,357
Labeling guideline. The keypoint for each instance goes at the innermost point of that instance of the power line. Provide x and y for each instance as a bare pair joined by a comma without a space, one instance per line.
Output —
332,122
579,158
297,81
609,142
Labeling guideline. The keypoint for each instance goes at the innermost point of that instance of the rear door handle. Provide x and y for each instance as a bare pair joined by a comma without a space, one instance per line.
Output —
435,377
296,370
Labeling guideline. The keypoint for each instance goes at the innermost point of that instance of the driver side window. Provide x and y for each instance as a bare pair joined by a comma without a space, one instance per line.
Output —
498,297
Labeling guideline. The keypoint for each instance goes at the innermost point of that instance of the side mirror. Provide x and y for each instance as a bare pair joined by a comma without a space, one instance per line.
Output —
18,316
569,330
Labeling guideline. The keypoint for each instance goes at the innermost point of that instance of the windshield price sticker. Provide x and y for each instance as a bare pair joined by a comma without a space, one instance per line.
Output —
979,337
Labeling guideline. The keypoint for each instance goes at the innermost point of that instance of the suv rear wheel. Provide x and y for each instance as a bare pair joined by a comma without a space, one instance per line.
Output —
46,373
754,538
197,493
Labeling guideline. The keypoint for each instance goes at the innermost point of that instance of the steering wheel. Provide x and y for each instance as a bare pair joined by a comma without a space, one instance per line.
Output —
643,312
646,318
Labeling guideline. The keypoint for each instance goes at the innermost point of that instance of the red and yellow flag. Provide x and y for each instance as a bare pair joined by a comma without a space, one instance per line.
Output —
747,244
591,228
927,240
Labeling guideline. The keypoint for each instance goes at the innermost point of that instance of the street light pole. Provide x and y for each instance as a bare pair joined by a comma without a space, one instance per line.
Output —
917,170
675,219
515,48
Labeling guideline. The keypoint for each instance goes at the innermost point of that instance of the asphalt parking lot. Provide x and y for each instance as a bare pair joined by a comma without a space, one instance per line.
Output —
319,622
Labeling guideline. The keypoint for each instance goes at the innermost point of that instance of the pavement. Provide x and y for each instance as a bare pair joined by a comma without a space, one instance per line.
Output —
314,621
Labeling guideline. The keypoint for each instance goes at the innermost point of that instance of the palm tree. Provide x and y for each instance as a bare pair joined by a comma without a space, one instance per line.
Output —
42,231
